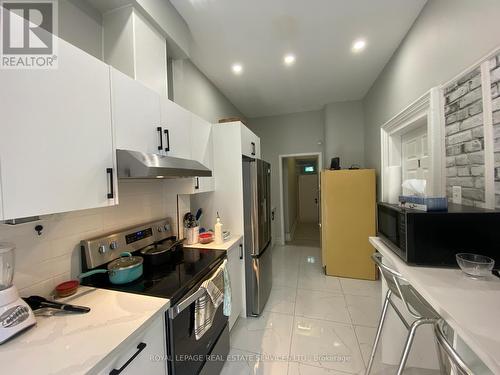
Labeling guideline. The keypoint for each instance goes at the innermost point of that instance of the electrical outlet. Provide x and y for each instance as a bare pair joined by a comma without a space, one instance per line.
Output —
457,194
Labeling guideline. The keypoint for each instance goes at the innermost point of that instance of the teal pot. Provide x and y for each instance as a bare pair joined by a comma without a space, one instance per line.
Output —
123,270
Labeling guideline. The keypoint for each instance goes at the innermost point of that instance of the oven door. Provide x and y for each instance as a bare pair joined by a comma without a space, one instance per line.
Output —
186,355
391,227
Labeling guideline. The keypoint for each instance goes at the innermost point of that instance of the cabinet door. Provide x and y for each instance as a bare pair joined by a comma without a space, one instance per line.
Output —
56,136
236,274
150,349
202,151
136,114
176,122
250,143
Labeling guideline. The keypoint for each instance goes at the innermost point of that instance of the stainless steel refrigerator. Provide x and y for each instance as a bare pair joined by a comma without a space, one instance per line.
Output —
257,221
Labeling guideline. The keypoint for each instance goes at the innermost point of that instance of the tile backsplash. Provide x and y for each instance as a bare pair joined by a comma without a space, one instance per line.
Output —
44,261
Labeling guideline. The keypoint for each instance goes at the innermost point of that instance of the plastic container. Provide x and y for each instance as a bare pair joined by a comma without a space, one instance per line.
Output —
7,261
206,237
475,265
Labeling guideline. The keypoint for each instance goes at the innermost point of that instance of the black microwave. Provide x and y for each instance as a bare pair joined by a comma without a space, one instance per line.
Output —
433,238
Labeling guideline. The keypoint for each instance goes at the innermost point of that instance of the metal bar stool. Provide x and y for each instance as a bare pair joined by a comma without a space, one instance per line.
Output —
414,304
449,360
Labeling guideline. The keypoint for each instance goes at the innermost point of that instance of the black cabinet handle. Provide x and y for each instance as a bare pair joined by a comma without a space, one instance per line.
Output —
197,183
111,193
241,251
140,348
167,134
159,130
253,148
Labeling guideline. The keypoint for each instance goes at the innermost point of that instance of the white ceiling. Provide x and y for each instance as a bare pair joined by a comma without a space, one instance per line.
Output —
257,34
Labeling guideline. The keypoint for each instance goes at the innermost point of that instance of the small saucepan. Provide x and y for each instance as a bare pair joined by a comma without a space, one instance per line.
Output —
123,270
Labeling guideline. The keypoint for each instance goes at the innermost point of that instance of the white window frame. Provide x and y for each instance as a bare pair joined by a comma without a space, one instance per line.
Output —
429,106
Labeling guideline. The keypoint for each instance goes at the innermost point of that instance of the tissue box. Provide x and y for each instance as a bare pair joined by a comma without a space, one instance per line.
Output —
424,203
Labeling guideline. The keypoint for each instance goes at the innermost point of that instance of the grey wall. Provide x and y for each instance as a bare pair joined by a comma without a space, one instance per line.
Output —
195,92
447,37
287,134
81,25
344,133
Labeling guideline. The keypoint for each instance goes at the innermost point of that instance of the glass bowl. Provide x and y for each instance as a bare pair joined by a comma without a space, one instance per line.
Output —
475,265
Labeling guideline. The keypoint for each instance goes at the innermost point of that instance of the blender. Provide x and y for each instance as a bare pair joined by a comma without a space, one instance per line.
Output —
15,314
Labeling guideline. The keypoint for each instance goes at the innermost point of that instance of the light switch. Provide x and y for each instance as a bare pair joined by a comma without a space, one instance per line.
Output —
457,194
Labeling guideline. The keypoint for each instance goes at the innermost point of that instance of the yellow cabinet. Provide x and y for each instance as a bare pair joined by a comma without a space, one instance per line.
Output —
348,204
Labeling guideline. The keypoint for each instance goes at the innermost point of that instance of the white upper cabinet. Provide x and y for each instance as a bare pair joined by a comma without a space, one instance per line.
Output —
201,141
136,115
250,143
202,150
176,128
56,137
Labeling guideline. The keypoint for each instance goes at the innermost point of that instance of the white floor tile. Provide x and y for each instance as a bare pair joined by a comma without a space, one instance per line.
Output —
365,336
364,311
321,305
282,300
268,334
361,287
326,344
312,279
244,363
284,278
297,368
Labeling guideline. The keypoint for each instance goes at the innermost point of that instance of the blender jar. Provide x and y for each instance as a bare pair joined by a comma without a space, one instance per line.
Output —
6,265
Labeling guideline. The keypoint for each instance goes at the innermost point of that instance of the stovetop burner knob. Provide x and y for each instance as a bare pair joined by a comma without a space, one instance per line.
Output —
160,229
113,245
167,227
102,249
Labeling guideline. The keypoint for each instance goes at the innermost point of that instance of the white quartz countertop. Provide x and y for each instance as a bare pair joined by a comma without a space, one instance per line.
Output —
76,343
470,306
229,243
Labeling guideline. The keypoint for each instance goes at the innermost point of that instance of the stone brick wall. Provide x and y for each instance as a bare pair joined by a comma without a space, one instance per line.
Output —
465,138
495,104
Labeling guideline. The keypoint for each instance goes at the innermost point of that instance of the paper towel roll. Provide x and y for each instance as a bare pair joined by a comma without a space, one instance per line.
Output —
393,184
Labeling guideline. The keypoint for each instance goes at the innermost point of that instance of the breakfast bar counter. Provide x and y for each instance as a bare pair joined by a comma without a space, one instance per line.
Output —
470,306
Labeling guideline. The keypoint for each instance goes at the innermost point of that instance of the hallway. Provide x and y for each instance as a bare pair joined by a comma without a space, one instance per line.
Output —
312,323
306,234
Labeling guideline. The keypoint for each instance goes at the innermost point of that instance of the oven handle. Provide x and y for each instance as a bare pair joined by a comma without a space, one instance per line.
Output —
185,303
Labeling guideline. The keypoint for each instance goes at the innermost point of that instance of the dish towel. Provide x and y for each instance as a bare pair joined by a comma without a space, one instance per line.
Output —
227,291
207,304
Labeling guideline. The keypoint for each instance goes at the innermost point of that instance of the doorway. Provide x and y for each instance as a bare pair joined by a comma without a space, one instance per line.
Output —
299,189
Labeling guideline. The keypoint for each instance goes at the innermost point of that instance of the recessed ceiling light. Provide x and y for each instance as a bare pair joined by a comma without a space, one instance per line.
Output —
237,68
289,59
359,45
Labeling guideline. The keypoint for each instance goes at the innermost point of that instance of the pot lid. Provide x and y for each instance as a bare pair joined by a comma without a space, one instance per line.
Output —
154,249
161,247
124,262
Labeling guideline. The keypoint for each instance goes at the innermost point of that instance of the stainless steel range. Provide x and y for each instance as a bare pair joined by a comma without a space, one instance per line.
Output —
177,275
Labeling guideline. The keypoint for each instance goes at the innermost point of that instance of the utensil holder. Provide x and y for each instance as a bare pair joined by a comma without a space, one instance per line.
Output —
191,235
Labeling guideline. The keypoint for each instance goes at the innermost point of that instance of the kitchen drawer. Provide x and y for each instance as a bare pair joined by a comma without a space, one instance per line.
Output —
149,350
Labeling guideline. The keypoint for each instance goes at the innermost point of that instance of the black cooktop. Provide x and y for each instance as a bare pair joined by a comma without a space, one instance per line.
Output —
172,280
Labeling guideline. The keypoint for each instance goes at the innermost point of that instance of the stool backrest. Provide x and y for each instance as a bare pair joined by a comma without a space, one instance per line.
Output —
450,361
394,282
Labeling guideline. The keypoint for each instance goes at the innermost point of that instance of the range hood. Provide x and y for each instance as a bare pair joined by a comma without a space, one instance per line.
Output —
135,164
